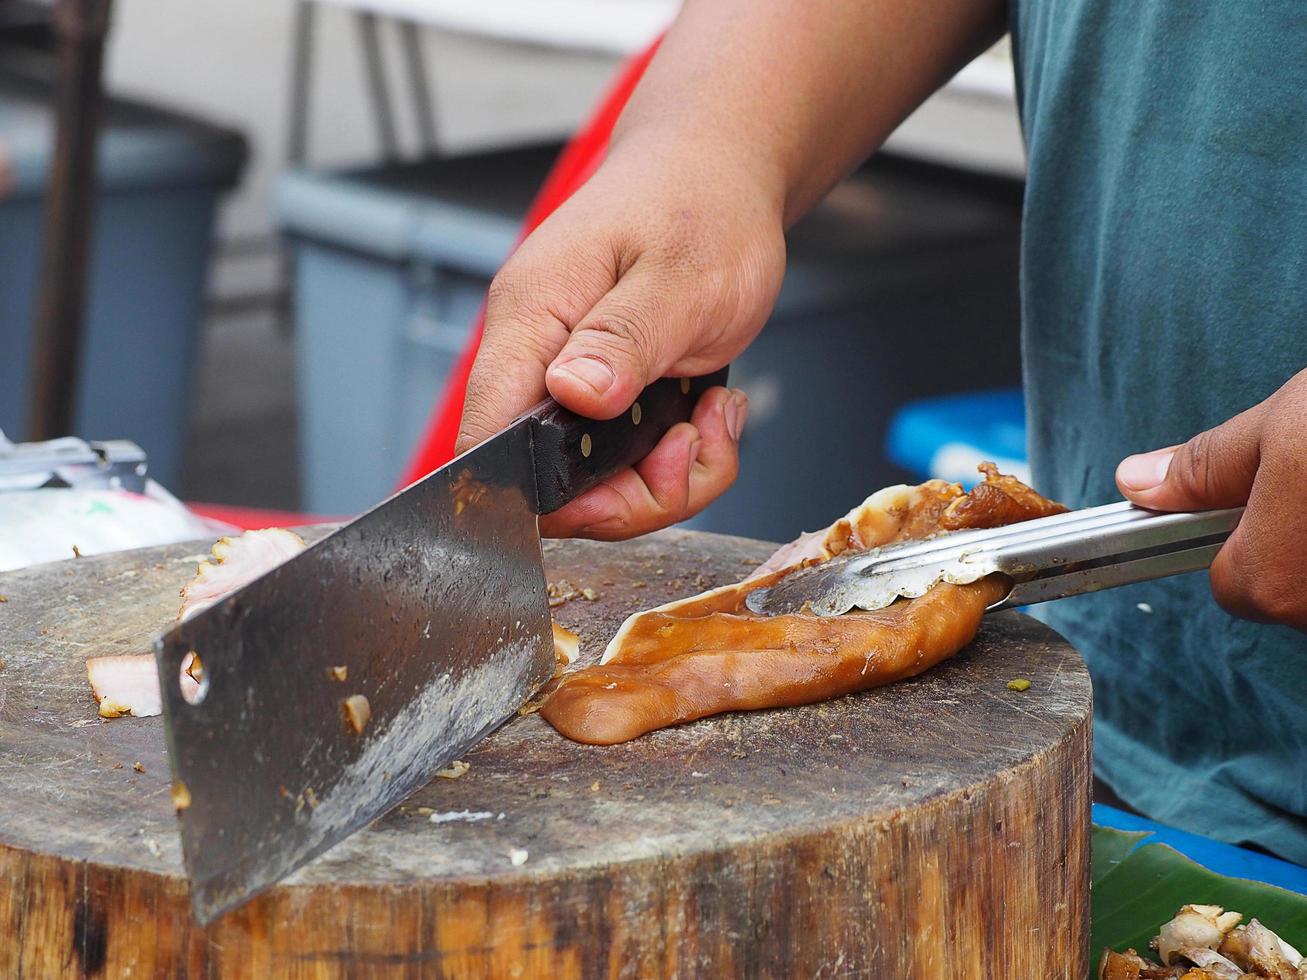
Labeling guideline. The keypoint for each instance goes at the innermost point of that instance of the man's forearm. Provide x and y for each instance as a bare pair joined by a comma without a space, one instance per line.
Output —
667,262
801,91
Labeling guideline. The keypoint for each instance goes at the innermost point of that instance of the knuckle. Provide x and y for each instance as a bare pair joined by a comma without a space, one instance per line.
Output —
625,329
549,281
732,280
667,504
475,426
1282,433
1192,467
687,251
520,295
1260,595
507,289
1273,599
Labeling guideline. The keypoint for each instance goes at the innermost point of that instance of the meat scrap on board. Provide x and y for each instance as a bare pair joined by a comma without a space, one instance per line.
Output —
1205,942
129,684
708,653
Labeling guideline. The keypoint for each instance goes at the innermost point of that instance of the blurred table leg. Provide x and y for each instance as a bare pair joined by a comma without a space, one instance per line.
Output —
80,28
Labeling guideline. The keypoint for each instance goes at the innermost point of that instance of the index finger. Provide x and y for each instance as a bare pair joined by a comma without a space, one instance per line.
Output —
508,375
532,305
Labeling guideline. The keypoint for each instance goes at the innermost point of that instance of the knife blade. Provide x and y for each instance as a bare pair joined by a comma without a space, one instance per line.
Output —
426,619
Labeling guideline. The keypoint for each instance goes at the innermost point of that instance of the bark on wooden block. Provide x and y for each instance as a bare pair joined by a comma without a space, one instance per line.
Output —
934,828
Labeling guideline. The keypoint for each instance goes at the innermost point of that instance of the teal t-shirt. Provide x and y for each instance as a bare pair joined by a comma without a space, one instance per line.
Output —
1165,289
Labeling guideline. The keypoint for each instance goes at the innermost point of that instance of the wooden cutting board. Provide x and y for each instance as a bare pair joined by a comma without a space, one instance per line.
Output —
934,828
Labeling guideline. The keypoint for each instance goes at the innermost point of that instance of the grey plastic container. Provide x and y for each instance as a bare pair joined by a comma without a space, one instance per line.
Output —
391,268
160,178
900,285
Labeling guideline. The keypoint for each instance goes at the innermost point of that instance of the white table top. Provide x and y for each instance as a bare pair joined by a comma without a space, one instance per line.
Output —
970,123
614,26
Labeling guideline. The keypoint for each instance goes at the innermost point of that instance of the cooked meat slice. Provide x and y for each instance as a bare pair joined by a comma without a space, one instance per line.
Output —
1120,966
707,654
357,712
566,646
1261,952
1205,942
897,513
1194,926
1208,964
239,561
673,669
1131,966
125,685
129,684
904,513
997,501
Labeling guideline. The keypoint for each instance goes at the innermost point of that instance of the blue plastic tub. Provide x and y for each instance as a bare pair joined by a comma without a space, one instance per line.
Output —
161,176
946,438
1225,859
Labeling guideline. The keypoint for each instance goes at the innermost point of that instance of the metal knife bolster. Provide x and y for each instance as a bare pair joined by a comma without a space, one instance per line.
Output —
1048,558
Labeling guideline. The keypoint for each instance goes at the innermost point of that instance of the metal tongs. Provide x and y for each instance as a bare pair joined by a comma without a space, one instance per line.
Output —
1048,558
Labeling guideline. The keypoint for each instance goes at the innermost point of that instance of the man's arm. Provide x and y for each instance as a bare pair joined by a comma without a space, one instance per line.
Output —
668,261
802,90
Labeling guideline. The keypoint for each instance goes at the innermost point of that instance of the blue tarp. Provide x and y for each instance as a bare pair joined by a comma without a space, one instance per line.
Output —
1225,859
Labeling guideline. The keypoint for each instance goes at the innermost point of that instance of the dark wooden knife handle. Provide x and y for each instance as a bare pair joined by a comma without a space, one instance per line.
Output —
573,453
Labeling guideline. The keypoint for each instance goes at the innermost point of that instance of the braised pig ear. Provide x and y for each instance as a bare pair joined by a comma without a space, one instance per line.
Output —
707,654
997,501
896,513
907,513
566,646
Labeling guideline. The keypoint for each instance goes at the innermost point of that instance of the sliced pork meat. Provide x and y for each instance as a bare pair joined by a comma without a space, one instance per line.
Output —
238,561
125,685
708,654
129,684
1205,942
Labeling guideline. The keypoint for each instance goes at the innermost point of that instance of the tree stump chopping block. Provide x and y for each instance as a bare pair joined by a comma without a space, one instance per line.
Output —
937,827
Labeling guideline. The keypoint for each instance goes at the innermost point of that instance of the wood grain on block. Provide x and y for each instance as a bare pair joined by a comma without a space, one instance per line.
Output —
936,827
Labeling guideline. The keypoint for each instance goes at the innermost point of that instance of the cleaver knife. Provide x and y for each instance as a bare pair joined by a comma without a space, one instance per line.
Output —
432,607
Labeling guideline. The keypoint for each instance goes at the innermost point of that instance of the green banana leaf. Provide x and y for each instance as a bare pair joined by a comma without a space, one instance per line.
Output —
1109,847
1134,889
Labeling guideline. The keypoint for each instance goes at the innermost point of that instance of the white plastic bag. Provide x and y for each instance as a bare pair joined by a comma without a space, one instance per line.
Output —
47,525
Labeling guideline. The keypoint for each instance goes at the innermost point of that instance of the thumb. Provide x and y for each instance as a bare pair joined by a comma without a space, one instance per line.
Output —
526,316
1214,469
630,338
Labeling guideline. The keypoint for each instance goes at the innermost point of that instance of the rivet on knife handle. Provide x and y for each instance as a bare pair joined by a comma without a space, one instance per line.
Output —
573,453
